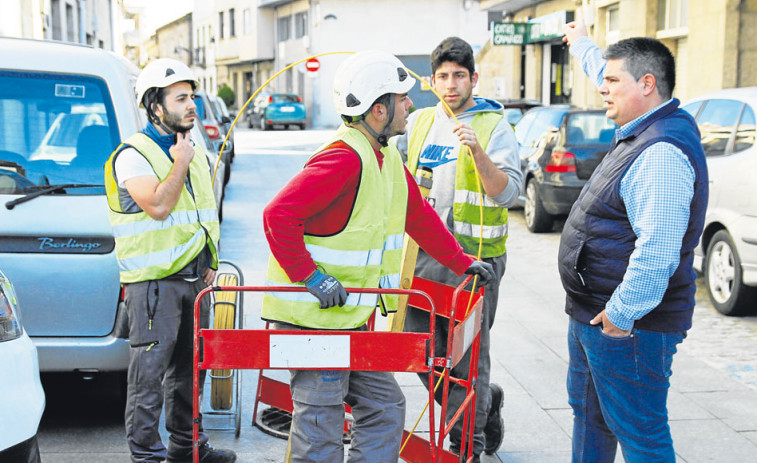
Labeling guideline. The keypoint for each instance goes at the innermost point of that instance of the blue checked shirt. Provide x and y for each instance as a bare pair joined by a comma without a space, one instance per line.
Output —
657,190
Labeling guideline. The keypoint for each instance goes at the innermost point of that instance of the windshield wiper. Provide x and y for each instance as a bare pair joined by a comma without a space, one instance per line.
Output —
49,189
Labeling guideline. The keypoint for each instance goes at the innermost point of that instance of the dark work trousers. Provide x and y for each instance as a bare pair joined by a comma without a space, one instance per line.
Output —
160,365
418,321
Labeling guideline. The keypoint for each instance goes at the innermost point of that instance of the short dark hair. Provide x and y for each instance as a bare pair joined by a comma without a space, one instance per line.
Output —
644,55
455,50
153,96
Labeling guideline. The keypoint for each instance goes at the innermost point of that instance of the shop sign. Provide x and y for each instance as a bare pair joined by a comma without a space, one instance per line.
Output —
541,29
510,33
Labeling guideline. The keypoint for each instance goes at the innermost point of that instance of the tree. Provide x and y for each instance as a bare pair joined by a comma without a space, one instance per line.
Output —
227,95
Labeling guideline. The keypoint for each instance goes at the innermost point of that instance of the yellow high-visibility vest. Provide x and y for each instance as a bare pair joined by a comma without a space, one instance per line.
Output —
465,210
366,253
149,249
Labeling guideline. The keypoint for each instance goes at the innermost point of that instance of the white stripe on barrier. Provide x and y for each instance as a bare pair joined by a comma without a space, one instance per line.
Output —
309,351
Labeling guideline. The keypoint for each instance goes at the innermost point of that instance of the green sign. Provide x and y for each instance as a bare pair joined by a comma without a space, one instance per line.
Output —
542,29
510,33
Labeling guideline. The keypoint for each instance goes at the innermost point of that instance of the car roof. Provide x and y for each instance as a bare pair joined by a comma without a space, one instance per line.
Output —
745,94
61,57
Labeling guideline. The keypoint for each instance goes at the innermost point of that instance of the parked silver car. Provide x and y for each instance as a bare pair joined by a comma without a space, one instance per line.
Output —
727,254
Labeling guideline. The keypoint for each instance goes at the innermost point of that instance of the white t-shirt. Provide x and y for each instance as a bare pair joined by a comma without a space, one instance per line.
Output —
131,164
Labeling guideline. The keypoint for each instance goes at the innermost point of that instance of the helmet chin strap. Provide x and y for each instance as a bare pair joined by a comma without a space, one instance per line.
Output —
383,137
165,129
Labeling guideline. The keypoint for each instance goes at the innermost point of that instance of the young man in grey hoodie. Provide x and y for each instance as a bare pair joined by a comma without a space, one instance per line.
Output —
433,139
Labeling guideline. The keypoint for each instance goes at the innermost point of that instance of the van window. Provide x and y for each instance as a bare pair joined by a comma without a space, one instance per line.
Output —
746,133
57,128
716,123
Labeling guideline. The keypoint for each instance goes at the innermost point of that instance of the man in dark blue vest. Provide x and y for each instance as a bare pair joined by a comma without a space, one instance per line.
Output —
626,254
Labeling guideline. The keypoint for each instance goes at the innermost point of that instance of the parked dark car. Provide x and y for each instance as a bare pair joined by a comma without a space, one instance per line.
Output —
560,147
216,128
515,108
270,109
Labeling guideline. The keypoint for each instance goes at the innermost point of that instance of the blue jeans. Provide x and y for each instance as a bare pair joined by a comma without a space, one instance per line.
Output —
618,388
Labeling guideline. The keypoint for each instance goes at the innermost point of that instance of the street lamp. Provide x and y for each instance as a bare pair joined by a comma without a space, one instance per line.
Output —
179,48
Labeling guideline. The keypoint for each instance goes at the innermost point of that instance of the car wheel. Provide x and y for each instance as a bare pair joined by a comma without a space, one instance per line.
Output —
249,122
538,220
722,276
302,126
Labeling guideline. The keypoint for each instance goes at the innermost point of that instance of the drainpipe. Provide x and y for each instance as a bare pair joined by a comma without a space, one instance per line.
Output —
739,50
82,33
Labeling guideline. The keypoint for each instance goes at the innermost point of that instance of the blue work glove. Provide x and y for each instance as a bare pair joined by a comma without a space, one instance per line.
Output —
326,288
484,270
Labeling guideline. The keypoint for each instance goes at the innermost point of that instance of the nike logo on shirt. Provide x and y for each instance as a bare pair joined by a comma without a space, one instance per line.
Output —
436,155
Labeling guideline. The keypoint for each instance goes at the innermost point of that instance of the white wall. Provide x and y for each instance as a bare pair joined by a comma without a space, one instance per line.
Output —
400,27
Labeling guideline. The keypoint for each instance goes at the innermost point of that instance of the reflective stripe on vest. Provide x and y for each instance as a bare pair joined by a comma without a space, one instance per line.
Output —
466,213
149,249
365,254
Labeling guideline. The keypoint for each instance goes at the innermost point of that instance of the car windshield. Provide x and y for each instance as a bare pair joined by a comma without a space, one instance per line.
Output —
589,129
284,99
535,123
57,128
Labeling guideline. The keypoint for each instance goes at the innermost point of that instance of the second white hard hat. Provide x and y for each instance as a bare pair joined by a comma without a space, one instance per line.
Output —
365,76
163,73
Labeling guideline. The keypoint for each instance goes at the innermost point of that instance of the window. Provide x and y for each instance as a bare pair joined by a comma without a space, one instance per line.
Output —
536,123
69,23
56,20
589,128
246,21
232,31
693,108
716,122
62,124
612,32
745,135
300,25
220,24
284,25
672,14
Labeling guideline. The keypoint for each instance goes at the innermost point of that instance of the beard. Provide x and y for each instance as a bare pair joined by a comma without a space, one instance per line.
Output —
173,122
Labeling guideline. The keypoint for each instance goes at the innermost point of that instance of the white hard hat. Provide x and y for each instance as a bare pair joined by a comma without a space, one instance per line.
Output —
163,73
365,76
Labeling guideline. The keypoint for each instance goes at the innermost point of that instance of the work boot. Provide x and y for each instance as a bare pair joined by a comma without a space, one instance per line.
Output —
494,431
208,454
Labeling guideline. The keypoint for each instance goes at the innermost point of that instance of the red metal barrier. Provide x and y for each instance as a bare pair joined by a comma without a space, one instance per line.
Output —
365,350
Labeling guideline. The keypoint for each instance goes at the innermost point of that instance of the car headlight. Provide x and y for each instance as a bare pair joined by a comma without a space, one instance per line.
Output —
10,328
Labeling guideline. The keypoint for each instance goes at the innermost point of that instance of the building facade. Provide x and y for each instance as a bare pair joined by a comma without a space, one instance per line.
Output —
711,40
88,22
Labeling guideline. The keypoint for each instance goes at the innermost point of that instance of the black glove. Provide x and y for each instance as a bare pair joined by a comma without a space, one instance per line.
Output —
326,288
484,270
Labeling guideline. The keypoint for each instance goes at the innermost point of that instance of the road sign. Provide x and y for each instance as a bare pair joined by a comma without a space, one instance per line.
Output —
312,64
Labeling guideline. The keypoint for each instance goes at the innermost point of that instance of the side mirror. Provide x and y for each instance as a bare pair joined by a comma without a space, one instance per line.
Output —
226,119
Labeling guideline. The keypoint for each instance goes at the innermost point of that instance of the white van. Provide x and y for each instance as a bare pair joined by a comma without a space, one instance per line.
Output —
727,254
63,109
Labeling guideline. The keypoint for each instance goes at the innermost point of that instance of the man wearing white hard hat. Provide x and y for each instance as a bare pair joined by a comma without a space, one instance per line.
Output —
165,224
340,223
